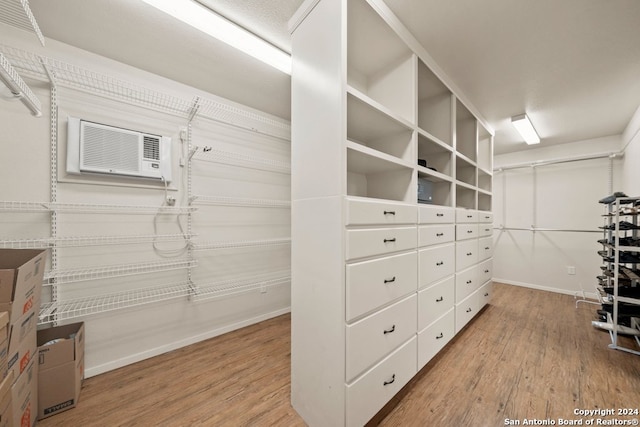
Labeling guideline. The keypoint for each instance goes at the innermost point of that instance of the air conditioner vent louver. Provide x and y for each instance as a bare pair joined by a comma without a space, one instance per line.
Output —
108,149
151,148
103,149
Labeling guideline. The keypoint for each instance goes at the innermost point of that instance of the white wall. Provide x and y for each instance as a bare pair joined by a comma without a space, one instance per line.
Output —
561,196
630,167
120,337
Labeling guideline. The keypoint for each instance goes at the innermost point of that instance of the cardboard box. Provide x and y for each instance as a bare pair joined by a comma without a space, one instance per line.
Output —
24,396
21,354
61,369
4,346
6,410
21,273
22,342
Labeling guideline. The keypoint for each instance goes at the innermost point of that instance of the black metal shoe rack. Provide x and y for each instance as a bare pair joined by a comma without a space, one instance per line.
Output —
620,279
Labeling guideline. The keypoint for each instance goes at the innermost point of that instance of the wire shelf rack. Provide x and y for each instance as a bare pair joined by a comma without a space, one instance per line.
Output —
240,244
79,241
17,206
241,286
18,13
108,271
123,209
247,119
219,156
76,77
242,202
79,307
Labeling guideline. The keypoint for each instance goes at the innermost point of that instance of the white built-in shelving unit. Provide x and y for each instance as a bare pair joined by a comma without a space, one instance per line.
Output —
382,276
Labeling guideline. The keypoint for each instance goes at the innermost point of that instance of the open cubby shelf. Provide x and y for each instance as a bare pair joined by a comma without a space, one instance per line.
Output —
376,129
372,176
466,132
379,63
436,155
434,105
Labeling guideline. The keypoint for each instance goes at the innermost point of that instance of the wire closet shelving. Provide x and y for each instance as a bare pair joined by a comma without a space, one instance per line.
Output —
61,74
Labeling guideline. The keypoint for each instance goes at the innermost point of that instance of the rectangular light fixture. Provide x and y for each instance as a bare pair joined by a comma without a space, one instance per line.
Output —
207,21
523,125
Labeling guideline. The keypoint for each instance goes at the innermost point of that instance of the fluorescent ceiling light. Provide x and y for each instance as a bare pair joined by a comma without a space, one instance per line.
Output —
207,21
525,128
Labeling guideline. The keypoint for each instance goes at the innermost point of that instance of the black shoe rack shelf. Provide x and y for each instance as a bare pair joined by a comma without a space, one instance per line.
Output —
619,284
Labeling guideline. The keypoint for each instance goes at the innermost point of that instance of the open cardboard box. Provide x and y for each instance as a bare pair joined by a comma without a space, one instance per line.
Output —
61,370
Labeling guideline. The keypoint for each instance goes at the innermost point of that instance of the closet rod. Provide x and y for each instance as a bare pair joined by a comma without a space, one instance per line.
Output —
564,230
557,161
18,88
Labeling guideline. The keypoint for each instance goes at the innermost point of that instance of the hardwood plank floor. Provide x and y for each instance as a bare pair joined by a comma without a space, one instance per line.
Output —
529,354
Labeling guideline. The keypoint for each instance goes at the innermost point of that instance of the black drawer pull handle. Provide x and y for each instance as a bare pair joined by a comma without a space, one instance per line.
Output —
469,253
487,229
469,282
440,299
439,214
440,336
469,231
486,294
469,216
439,263
389,212
389,240
469,310
486,248
439,234
393,378
388,331
486,271
393,279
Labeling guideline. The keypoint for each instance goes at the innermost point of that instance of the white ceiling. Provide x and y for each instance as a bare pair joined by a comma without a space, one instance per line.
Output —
572,65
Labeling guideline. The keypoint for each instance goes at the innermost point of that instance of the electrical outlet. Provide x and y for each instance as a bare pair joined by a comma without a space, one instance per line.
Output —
571,270
171,201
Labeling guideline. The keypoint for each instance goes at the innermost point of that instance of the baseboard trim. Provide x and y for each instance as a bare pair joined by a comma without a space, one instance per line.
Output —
575,293
119,363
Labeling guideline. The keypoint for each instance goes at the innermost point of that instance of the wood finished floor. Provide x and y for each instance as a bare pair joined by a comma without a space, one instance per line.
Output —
529,354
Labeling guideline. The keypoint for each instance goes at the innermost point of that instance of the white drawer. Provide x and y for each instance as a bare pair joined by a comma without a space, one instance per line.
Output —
435,263
466,231
485,248
379,241
484,294
436,215
485,217
370,212
433,338
465,311
367,395
466,254
466,215
372,338
467,282
485,270
485,230
373,283
434,301
436,234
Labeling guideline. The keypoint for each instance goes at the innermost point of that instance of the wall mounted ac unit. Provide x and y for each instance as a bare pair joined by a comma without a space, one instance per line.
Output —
97,148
